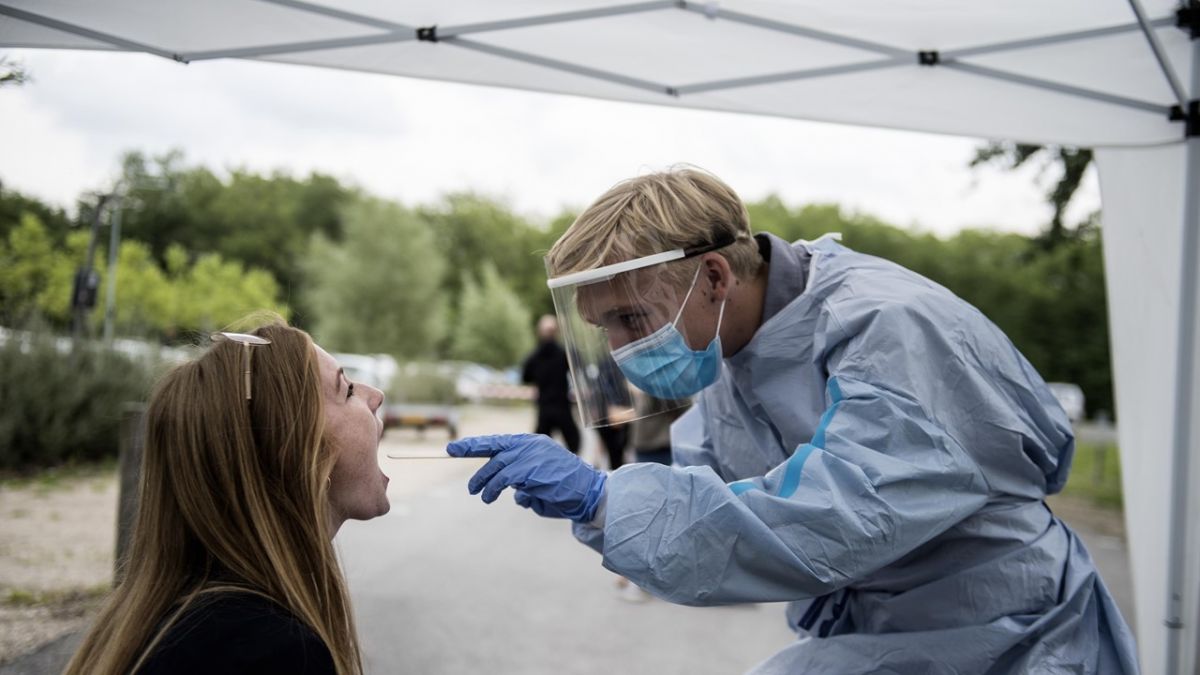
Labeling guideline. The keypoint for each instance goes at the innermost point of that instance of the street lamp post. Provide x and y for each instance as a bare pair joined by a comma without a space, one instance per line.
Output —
83,295
110,296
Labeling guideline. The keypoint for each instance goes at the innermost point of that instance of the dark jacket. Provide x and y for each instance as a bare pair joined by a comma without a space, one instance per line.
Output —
547,369
238,633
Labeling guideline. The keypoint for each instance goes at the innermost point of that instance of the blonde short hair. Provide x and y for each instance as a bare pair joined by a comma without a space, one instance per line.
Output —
681,207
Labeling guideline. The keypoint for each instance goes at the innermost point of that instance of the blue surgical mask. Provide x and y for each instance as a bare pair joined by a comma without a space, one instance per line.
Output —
663,365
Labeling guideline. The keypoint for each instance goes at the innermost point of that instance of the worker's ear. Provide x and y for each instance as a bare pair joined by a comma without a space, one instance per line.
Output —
718,276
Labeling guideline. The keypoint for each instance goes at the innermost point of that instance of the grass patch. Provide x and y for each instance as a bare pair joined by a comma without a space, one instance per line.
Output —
23,597
1096,475
58,477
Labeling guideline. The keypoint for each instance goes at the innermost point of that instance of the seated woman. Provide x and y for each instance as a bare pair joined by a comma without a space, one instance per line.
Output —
255,454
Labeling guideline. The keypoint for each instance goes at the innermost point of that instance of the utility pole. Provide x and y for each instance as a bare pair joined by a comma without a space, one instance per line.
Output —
110,296
83,296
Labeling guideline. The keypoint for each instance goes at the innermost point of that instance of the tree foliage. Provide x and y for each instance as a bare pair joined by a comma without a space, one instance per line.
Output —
36,277
494,325
14,205
264,222
1072,164
380,289
12,73
473,231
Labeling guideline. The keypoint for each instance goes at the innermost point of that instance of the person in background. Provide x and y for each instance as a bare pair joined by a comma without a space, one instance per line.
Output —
547,370
255,454
611,410
651,431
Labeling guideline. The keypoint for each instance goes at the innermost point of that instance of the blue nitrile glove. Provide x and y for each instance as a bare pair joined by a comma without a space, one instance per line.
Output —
555,483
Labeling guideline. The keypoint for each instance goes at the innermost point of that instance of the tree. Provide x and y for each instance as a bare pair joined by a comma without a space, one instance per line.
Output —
12,73
208,294
494,326
36,279
380,290
35,272
1072,162
473,230
14,205
262,221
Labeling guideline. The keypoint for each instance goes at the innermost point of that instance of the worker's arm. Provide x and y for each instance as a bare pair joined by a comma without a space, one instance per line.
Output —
691,445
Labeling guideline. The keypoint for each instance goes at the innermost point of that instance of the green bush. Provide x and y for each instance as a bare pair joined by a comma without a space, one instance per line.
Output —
60,405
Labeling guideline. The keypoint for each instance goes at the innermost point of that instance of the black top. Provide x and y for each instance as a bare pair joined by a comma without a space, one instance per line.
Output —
546,368
237,633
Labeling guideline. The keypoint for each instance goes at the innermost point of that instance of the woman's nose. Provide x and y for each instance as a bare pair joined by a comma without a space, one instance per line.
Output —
375,398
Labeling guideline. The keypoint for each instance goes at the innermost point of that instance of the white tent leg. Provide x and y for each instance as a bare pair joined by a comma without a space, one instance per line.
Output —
1181,656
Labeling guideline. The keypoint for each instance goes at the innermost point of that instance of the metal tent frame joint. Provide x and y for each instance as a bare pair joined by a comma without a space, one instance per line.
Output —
1190,119
1187,18
929,58
427,34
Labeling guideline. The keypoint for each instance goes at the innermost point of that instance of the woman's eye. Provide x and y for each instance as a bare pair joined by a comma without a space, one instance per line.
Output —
349,389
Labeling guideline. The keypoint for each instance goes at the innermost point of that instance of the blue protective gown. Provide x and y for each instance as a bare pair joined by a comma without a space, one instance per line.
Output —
877,455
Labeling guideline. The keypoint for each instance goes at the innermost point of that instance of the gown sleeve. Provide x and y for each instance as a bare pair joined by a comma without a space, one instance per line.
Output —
690,446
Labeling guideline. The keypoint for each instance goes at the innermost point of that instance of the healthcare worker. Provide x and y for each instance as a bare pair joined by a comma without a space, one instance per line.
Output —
863,444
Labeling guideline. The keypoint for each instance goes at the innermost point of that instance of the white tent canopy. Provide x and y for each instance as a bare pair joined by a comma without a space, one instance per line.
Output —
1122,76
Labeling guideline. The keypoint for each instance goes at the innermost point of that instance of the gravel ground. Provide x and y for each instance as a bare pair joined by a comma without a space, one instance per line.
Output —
23,629
56,556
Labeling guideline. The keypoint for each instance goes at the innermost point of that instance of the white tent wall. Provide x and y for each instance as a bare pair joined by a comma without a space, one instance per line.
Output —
1143,196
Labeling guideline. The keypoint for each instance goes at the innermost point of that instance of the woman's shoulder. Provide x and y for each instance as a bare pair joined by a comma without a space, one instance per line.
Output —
239,633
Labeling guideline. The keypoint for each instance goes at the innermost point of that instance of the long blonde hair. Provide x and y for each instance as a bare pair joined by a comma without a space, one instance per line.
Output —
234,496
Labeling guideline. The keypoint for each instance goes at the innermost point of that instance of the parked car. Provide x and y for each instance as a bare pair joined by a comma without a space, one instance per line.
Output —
376,370
472,380
421,417
1070,397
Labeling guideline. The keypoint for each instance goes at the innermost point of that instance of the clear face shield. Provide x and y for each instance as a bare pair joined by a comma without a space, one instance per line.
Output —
631,351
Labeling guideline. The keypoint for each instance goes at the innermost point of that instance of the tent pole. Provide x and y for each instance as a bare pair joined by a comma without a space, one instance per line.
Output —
71,28
1160,54
1185,385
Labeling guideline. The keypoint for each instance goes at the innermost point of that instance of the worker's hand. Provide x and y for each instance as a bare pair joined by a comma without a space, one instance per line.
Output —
548,478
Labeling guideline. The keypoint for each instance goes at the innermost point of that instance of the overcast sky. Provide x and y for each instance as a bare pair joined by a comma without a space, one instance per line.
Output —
414,140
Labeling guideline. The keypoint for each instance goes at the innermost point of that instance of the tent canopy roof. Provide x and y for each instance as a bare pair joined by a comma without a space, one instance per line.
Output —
1075,72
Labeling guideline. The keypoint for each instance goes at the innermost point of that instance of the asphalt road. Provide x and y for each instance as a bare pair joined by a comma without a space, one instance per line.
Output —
447,584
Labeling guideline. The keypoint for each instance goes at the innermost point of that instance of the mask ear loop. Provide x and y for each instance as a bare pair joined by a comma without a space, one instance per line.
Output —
720,313
689,294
